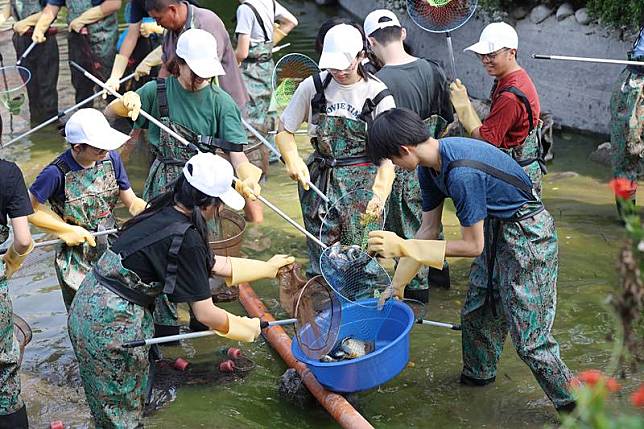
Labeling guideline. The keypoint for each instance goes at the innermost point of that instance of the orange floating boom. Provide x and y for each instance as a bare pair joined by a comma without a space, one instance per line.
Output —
335,404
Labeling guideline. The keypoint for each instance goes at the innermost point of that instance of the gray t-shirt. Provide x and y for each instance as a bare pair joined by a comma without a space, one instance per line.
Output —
419,86
207,20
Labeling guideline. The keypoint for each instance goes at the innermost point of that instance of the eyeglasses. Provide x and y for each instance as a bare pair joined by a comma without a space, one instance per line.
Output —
98,151
492,55
352,67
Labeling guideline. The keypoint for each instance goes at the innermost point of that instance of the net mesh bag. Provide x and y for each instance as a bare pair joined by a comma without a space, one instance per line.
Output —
439,16
289,72
13,82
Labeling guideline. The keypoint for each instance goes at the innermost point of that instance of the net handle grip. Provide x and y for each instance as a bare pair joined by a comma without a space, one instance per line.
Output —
439,324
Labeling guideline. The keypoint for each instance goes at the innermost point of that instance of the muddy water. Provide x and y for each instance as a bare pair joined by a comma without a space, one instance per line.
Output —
427,393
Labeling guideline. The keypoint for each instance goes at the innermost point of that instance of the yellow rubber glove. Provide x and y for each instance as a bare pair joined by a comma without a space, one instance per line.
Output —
137,206
390,245
405,271
381,188
248,186
90,16
127,106
153,59
22,26
118,70
42,25
278,34
149,28
241,328
295,166
464,109
248,270
72,235
5,13
13,260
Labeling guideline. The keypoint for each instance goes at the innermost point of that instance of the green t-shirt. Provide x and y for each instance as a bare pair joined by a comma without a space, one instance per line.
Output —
207,112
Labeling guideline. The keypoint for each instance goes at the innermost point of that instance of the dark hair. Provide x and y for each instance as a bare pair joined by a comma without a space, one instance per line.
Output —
332,22
173,69
392,129
387,35
159,5
191,198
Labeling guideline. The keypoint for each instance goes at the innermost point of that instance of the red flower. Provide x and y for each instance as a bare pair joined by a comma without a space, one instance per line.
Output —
590,377
637,398
623,188
612,385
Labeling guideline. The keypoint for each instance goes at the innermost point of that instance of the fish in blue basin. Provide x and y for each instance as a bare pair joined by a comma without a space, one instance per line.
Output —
349,348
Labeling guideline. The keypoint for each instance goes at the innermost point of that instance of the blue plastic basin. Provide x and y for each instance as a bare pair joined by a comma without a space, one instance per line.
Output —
373,369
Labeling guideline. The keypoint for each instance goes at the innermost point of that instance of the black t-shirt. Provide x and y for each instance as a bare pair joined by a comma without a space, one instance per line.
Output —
419,86
150,263
14,200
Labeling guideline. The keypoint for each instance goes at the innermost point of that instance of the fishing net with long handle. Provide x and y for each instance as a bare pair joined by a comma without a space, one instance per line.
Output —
442,16
289,72
13,83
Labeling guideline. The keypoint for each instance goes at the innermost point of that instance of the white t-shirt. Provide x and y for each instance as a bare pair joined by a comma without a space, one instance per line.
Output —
341,100
247,22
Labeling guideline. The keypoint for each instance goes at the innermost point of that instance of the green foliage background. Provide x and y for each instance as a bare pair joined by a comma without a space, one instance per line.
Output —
619,13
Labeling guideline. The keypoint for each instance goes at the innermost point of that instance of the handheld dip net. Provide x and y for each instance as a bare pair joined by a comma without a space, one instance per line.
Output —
289,72
338,314
13,83
442,16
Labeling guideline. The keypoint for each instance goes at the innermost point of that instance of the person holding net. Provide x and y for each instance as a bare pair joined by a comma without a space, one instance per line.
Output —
505,227
15,206
513,124
162,250
189,102
421,86
337,104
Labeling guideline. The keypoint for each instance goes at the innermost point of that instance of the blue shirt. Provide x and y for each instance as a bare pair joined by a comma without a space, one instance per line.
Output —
476,194
638,46
51,181
136,11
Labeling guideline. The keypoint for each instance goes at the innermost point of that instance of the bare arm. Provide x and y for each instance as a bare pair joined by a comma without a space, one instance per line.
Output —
472,237
223,267
108,7
237,158
21,234
131,38
210,315
243,45
127,196
476,134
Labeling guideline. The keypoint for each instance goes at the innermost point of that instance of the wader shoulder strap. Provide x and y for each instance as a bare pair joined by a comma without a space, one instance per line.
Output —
371,103
260,22
524,100
318,102
162,98
62,165
492,171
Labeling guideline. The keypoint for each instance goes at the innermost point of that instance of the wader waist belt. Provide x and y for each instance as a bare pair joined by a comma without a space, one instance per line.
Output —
264,58
170,161
130,295
320,176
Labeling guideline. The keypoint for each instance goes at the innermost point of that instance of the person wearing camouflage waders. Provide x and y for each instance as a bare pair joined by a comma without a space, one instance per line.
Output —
254,52
505,227
337,104
42,62
82,185
14,204
627,120
164,249
419,85
202,113
513,124
91,42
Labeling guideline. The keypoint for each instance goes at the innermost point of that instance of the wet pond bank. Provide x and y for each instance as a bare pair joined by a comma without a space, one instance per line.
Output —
425,395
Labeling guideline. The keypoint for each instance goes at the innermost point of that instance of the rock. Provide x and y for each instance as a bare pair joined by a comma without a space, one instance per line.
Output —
564,11
292,389
519,13
582,16
540,13
602,155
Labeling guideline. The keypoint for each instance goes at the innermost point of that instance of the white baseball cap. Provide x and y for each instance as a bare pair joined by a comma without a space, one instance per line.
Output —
495,36
380,18
89,126
341,45
198,49
213,176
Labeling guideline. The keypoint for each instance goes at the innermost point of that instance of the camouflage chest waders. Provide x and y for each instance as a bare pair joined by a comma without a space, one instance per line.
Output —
94,49
529,154
42,63
90,197
404,213
113,306
10,400
170,157
338,166
627,125
513,288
